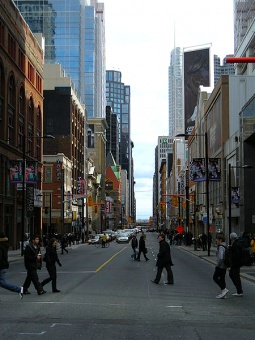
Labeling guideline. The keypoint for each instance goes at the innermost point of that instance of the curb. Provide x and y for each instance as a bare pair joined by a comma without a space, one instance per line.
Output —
245,276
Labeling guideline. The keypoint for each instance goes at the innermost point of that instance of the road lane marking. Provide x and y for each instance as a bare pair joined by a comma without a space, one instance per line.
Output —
33,333
111,258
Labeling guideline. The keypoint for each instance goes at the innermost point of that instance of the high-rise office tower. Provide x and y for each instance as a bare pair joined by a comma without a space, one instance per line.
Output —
243,17
118,97
225,68
175,93
74,37
95,97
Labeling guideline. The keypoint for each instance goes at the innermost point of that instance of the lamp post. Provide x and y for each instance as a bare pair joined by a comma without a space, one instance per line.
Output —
23,207
49,230
230,194
206,185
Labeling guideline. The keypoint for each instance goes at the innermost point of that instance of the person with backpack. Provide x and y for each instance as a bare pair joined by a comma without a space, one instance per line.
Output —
236,263
220,269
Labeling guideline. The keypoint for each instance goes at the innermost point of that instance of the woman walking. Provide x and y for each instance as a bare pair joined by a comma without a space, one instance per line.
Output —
142,249
51,257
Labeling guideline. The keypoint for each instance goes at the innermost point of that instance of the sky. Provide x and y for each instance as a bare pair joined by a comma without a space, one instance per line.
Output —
140,35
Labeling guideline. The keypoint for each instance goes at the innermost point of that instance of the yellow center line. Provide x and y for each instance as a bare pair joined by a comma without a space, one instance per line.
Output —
104,264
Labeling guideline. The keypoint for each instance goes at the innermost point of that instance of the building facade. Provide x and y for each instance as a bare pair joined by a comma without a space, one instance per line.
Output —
21,125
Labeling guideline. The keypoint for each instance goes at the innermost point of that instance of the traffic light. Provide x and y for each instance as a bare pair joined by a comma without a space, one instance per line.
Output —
95,209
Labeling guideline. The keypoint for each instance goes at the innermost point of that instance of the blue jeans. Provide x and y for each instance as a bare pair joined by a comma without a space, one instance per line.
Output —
7,285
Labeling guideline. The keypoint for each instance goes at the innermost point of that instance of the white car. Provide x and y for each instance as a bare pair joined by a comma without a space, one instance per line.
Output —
122,238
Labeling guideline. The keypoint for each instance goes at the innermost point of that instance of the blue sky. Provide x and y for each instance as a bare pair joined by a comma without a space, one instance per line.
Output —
140,35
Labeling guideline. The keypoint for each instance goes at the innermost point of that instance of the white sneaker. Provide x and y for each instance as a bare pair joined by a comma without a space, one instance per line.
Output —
21,293
238,294
225,291
223,294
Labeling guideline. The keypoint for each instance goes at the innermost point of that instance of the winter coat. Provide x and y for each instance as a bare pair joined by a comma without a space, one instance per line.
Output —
236,254
220,252
4,264
51,256
134,243
141,244
30,257
164,255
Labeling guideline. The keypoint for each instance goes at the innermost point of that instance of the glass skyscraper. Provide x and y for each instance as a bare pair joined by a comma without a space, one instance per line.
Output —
75,38
118,97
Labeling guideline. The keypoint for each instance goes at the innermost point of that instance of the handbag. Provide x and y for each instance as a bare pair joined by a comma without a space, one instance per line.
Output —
145,250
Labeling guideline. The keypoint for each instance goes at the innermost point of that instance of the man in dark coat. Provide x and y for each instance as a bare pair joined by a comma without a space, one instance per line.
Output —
4,264
142,249
164,261
236,264
32,261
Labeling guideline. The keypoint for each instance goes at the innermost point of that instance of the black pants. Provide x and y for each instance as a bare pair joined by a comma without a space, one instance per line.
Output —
32,277
53,276
234,274
219,277
170,277
144,254
63,248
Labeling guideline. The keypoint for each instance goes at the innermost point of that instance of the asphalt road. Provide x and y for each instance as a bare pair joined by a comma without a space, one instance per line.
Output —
106,295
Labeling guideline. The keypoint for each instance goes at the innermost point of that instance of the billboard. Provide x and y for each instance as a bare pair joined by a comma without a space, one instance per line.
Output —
196,70
198,170
31,175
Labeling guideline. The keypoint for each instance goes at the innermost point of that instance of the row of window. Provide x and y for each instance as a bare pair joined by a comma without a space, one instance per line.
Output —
19,57
19,116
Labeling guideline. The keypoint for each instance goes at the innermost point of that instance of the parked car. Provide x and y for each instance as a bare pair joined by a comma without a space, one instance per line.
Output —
123,238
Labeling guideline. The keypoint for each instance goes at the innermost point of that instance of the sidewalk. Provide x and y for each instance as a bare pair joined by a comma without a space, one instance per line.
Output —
247,273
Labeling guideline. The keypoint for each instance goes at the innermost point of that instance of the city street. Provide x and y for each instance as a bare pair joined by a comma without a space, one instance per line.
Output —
106,295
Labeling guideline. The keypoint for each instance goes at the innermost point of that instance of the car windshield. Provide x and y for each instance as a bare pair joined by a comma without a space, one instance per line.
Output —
122,235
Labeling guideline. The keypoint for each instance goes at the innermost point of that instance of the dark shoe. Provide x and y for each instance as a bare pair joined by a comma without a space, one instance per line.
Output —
56,291
41,292
168,283
153,281
137,259
26,292
147,259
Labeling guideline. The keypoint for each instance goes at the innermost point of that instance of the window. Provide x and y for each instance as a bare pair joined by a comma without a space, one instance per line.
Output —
21,117
11,47
11,110
30,126
48,174
21,61
31,72
1,33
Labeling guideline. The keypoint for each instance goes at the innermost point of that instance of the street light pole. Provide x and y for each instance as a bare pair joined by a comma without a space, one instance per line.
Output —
23,214
229,201
207,193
